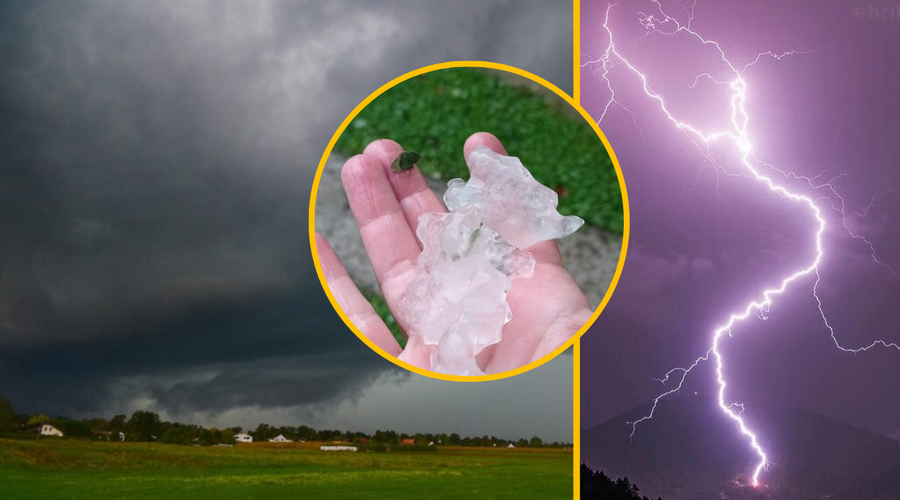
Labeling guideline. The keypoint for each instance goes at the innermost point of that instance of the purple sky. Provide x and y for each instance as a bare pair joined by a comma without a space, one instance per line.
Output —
697,256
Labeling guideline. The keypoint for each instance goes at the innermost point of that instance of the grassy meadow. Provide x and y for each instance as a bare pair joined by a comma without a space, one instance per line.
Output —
72,469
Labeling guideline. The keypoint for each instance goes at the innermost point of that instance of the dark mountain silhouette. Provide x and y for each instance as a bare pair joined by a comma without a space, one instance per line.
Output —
691,451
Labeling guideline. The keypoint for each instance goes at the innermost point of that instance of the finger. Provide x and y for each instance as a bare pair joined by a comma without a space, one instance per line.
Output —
351,301
389,241
417,353
545,252
410,187
484,139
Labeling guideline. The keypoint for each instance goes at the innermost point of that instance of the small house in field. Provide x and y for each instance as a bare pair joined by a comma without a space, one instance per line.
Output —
280,439
408,442
49,430
511,445
243,438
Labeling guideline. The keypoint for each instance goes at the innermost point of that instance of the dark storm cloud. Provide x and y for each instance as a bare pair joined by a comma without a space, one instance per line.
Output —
270,382
267,353
155,164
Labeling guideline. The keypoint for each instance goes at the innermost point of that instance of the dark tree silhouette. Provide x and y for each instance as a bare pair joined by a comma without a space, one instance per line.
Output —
599,486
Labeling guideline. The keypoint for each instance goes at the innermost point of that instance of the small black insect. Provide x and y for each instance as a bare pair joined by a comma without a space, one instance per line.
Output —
405,161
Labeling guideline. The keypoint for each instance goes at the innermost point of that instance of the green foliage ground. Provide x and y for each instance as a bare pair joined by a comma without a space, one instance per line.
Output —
71,469
434,113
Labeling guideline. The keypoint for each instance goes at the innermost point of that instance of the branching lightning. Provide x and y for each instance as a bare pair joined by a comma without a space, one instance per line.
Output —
662,24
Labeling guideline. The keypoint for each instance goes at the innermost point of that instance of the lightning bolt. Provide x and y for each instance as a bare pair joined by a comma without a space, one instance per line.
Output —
660,23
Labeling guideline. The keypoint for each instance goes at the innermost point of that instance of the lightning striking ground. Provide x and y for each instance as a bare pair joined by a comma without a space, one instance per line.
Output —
665,25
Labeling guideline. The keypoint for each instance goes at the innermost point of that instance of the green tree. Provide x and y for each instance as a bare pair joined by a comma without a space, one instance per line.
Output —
117,424
143,426
386,437
99,423
306,433
263,432
208,437
37,420
178,434
7,416
535,442
75,428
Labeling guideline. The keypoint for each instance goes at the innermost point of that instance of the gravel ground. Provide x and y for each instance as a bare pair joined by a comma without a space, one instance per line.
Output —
590,255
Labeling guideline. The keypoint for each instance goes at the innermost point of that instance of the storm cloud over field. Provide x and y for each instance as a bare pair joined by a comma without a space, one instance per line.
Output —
155,166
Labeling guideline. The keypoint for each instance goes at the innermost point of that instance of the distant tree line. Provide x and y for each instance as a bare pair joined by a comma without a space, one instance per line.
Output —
146,426
306,433
595,485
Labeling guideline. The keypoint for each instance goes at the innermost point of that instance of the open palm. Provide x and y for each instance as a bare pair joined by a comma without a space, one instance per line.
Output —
547,308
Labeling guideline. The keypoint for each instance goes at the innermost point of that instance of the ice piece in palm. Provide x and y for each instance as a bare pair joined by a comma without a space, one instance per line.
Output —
510,200
457,301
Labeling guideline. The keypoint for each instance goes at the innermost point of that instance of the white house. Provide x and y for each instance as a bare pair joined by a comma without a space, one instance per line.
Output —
49,430
280,439
511,445
243,438
337,448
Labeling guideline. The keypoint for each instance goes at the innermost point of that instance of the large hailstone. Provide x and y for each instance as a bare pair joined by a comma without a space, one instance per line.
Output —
511,201
457,301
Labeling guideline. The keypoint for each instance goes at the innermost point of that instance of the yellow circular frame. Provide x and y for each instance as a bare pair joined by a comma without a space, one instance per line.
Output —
340,130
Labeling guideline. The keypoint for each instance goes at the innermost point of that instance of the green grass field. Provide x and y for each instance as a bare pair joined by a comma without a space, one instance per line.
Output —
70,469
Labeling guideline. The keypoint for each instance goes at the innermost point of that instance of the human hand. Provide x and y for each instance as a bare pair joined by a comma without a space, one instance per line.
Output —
547,309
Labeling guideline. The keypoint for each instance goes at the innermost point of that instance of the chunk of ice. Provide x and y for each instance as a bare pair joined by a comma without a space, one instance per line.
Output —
470,256
458,299
511,201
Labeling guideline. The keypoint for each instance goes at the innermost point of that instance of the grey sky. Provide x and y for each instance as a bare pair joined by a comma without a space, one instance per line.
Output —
155,166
